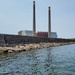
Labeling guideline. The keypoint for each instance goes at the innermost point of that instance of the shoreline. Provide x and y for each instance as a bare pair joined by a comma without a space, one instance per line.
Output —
26,47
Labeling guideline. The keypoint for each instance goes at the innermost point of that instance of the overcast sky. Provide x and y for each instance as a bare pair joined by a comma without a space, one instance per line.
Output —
16,15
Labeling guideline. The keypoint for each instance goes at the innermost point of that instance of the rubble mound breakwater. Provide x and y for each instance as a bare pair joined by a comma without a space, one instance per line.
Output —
16,43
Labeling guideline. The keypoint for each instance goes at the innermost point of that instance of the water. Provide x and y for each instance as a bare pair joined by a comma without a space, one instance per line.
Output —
47,61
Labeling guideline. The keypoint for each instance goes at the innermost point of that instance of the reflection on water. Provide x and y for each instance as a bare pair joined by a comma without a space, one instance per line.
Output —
47,61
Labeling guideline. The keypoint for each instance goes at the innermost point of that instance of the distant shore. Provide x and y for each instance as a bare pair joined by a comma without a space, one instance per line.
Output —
25,47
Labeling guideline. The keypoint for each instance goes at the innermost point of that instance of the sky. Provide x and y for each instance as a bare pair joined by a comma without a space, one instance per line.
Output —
16,15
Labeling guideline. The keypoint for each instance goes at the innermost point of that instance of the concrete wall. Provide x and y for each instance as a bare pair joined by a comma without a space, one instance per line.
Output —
12,40
2,39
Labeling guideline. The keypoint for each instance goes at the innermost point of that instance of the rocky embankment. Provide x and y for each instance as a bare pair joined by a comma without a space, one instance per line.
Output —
25,47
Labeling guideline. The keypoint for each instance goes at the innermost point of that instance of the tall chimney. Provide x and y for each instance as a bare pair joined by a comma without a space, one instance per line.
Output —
34,22
49,22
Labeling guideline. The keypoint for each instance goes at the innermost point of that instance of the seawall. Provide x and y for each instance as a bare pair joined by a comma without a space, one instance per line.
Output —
12,40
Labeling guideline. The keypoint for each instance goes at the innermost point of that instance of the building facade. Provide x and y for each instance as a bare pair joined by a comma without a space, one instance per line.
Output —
42,34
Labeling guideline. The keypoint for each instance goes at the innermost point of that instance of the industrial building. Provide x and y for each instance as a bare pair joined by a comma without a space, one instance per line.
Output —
45,34
38,34
42,34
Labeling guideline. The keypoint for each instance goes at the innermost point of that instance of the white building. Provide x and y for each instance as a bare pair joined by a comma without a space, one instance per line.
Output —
25,33
53,35
29,33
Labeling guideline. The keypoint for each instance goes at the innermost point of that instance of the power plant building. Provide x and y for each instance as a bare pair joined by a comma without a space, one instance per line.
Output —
38,34
48,34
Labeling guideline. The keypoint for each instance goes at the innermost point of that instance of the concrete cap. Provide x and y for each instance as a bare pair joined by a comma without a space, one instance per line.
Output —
33,2
49,7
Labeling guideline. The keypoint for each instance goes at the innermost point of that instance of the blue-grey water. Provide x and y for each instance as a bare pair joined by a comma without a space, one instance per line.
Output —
46,61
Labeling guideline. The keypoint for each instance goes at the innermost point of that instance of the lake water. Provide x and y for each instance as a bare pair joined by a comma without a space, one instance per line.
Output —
46,61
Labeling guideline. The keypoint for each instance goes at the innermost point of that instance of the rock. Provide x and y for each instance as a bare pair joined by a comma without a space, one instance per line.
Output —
10,51
5,51
1,51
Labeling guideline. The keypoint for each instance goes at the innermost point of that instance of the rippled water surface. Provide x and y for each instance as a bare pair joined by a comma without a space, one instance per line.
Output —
47,61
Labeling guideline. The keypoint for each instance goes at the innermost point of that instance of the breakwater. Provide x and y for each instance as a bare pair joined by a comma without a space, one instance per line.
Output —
12,40
25,47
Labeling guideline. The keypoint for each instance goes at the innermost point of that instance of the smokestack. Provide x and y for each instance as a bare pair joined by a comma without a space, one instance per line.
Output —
34,22
49,22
